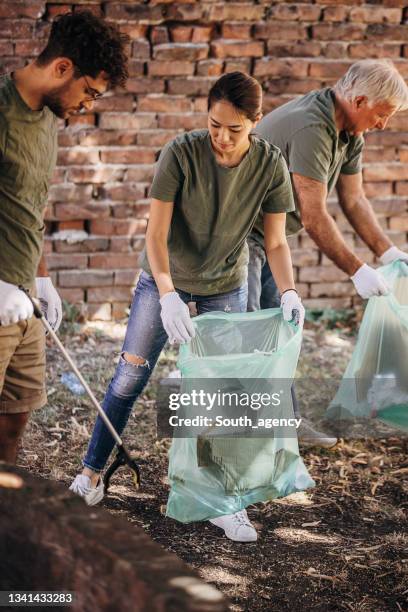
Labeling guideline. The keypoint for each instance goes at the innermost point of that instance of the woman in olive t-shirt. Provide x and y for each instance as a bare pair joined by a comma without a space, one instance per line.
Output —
208,189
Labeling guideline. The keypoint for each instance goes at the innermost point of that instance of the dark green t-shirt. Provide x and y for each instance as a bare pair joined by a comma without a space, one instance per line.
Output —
215,208
28,153
305,131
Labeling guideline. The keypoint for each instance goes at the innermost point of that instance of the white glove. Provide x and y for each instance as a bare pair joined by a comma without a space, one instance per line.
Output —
51,305
292,307
175,317
369,282
392,254
14,304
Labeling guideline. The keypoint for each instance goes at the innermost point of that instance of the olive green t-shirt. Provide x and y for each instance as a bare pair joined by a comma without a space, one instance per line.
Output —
215,208
28,152
305,131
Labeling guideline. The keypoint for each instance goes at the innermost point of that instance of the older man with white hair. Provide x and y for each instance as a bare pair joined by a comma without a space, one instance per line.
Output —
321,137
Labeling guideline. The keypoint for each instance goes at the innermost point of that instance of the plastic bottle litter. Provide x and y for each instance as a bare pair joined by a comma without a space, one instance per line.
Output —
72,383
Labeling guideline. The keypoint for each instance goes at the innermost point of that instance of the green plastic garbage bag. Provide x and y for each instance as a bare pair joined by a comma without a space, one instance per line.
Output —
375,384
212,474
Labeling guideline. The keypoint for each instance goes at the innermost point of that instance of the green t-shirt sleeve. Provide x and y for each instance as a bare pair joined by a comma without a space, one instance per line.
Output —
279,197
168,177
354,161
310,153
3,136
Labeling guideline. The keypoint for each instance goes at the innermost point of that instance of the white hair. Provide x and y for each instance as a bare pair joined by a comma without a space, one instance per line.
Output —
377,80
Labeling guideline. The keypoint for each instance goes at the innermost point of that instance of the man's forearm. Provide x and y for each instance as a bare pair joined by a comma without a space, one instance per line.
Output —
362,218
324,231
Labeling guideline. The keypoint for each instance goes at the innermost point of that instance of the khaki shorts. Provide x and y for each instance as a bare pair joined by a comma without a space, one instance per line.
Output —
22,366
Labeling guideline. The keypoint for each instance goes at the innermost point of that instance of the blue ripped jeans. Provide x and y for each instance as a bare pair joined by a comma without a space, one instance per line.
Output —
145,337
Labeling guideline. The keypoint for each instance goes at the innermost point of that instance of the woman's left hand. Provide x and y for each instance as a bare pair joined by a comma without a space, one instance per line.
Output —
292,307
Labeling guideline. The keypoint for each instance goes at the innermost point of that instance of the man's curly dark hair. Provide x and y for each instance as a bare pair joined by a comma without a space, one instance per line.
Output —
92,44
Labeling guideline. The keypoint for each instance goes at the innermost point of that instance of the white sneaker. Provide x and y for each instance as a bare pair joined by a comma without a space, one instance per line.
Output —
236,526
82,487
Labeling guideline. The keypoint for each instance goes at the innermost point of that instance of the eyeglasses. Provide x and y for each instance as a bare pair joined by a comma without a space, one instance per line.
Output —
93,94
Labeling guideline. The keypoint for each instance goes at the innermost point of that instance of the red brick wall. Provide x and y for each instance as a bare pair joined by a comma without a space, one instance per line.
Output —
106,157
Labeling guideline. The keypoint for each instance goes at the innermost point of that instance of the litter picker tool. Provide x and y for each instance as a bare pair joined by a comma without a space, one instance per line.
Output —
122,457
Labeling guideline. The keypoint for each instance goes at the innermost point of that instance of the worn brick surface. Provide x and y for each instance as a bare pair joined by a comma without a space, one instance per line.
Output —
178,49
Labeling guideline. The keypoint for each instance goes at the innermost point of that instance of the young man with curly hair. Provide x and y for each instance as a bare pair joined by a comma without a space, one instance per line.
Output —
83,57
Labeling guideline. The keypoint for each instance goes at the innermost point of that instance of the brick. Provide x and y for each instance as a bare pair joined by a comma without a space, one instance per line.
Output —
127,277
331,289
118,227
291,86
67,139
95,174
85,278
138,210
338,31
346,2
398,122
280,31
108,137
242,65
211,67
159,35
78,121
114,103
383,32
375,14
141,13
197,86
181,33
90,245
181,52
379,154
314,274
328,68
6,48
57,261
134,29
69,193
399,223
109,294
387,138
402,188
16,29
77,156
302,49
201,34
120,244
236,48
200,105
81,211
141,49
143,86
385,172
31,8
336,13
159,103
73,296
364,50
268,66
161,68
136,155
184,12
293,12
129,121
188,121
70,225
390,206
122,191
99,311
28,48
156,138
240,12
236,29
136,69
304,257
112,260
141,172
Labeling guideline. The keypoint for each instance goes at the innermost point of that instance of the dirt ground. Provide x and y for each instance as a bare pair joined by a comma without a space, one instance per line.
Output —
340,546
